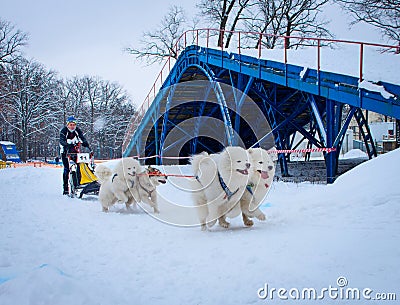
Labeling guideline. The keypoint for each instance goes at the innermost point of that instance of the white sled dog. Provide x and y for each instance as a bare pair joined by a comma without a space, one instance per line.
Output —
262,173
220,182
147,185
118,184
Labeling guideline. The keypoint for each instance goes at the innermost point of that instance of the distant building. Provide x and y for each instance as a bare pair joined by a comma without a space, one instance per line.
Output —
384,131
8,151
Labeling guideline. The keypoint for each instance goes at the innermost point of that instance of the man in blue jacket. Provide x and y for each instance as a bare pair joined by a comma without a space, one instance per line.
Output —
70,135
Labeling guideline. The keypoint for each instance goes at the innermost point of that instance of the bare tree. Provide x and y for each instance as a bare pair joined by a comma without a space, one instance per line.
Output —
163,41
114,111
62,96
34,102
93,95
103,110
73,95
11,42
224,14
29,106
299,18
383,14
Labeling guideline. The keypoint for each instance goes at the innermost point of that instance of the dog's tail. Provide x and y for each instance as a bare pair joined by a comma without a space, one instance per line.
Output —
196,161
102,172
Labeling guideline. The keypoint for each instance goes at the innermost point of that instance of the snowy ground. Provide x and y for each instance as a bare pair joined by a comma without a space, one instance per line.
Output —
56,250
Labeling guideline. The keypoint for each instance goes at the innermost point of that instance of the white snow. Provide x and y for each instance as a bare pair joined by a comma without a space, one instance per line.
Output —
6,143
60,251
375,88
354,153
99,124
342,58
303,72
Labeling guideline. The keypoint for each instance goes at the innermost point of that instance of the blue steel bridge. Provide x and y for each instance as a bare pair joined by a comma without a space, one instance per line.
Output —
255,102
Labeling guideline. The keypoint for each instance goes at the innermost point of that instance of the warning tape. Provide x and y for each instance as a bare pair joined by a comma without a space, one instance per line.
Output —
306,150
161,157
166,175
277,151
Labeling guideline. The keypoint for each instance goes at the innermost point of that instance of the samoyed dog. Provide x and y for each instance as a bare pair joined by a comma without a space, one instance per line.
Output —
221,180
262,173
147,186
118,184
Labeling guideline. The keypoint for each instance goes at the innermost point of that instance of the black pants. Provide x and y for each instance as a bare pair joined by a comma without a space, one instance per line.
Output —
65,163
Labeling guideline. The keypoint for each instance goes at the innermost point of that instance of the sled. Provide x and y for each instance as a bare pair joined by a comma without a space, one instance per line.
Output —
82,180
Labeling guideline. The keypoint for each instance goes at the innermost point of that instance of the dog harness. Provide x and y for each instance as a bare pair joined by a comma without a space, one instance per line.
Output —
146,190
249,188
228,192
115,175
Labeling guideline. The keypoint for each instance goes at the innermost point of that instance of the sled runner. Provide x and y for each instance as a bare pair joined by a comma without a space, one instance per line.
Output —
82,180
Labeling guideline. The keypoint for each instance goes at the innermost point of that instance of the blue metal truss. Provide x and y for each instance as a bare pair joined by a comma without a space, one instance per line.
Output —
312,104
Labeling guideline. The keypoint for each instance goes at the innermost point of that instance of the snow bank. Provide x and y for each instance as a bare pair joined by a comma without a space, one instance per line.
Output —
373,179
354,153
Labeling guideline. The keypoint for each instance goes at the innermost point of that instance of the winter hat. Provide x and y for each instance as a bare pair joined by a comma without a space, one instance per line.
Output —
71,119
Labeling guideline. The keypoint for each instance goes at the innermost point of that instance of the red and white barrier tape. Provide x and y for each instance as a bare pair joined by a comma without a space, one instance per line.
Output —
283,151
306,150
166,175
277,151
158,156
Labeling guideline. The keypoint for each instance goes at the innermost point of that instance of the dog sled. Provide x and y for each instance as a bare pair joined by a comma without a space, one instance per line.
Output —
82,180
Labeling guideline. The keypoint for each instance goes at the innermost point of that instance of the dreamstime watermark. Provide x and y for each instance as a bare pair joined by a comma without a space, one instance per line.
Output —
340,291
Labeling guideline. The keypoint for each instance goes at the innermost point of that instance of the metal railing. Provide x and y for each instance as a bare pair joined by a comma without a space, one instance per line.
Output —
205,37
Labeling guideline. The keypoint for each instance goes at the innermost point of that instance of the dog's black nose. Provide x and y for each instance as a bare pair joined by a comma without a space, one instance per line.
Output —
248,165
270,167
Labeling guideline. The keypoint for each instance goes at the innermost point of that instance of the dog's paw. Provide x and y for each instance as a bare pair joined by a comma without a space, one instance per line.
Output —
223,223
156,211
203,227
261,217
248,222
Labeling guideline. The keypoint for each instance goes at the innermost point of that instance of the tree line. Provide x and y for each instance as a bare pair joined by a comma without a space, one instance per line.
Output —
35,102
300,18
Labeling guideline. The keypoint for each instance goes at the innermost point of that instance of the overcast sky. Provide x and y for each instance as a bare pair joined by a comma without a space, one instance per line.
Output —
86,37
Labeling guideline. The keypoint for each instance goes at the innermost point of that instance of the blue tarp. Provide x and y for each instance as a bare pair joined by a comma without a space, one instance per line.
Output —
9,151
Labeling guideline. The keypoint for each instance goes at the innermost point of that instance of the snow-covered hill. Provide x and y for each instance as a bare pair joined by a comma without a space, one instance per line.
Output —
56,250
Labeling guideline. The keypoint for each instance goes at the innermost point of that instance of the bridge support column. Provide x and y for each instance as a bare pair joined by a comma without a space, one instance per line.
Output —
243,86
194,142
156,142
164,128
333,122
